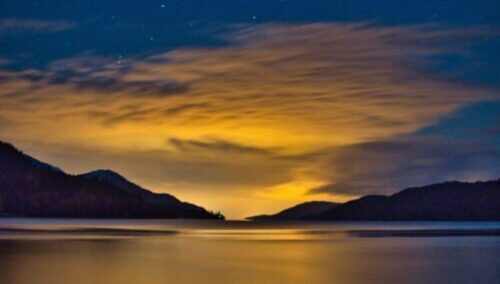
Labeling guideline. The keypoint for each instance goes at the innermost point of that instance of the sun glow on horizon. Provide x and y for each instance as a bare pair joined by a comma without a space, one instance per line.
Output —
281,114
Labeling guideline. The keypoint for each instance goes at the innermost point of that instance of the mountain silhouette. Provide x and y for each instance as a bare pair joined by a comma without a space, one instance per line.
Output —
32,188
449,201
297,212
115,179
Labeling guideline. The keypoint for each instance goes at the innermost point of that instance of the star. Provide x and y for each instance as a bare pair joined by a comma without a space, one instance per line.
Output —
163,6
254,17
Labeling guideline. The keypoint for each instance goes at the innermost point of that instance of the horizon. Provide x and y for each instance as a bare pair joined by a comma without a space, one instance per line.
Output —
249,217
254,107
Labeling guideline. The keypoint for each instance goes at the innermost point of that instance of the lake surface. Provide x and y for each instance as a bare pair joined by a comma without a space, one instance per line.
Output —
162,251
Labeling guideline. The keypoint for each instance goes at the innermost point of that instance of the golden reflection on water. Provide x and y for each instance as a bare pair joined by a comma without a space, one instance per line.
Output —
260,234
240,255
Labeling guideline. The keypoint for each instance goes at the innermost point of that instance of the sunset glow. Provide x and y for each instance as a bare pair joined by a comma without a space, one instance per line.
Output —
277,113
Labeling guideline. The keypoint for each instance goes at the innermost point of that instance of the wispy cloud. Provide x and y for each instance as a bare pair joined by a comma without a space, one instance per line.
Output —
4,61
384,167
9,25
280,107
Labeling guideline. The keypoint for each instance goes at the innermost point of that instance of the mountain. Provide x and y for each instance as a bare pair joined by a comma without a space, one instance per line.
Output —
115,179
297,212
449,201
32,188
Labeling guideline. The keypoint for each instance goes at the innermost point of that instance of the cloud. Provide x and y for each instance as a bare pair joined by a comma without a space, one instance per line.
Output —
184,108
99,75
211,165
279,108
385,167
4,61
10,25
216,146
300,79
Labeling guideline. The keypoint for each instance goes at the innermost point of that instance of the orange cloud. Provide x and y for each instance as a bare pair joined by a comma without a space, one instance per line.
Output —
240,120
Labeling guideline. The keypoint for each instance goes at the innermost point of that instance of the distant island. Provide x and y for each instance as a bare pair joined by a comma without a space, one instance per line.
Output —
449,201
31,188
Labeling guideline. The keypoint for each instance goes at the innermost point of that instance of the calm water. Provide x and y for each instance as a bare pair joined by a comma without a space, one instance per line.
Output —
154,251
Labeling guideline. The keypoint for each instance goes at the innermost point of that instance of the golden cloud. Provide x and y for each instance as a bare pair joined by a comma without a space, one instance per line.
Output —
244,118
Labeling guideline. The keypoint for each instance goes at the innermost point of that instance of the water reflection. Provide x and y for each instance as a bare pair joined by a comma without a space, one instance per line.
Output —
233,253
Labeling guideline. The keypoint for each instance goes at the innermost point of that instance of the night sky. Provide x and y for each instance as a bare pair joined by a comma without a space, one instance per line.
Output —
252,106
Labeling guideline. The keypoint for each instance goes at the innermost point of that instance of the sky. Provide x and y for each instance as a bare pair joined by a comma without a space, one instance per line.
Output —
252,106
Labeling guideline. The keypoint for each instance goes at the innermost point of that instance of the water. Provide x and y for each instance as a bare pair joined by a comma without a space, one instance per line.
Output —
159,251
